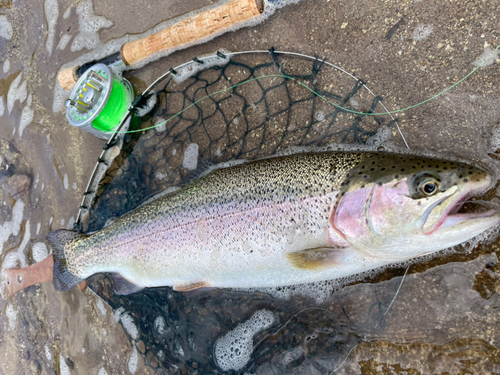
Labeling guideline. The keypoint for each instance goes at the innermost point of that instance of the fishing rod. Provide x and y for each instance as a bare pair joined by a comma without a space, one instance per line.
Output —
100,96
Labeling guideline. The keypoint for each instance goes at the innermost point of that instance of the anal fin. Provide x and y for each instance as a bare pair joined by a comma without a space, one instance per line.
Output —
317,258
192,286
124,287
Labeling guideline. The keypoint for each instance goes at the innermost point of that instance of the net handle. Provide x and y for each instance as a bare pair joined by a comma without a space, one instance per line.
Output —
41,272
212,22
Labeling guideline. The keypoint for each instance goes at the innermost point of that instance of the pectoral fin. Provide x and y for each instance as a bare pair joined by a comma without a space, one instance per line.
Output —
317,258
124,287
192,286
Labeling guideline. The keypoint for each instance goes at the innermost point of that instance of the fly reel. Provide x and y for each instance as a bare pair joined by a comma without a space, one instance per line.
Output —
99,101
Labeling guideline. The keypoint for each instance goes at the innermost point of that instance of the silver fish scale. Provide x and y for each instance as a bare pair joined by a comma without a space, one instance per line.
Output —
222,218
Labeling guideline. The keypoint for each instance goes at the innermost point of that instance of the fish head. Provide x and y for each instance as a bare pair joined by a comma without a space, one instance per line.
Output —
399,206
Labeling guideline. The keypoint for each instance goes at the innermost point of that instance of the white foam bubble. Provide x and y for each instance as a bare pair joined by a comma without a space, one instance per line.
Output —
6,66
127,322
160,176
191,157
17,92
70,223
148,106
102,371
101,307
319,291
63,42
132,362
11,315
422,32
51,8
67,13
383,134
48,354
319,116
160,324
233,350
90,24
5,27
162,127
2,106
488,57
6,230
63,366
40,252
495,140
26,116
17,217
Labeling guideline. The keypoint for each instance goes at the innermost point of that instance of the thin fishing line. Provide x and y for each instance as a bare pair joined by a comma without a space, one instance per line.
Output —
311,90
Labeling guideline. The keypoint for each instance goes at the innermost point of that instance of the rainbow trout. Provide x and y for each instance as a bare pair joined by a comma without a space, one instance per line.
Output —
282,221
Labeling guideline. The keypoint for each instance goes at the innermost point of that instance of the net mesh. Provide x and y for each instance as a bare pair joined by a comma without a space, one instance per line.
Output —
177,331
249,119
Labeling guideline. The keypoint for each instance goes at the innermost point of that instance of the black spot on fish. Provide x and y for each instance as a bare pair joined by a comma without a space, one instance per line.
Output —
465,180
396,176
372,169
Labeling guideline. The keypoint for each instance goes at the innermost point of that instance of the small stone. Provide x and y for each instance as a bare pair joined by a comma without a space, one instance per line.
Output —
344,25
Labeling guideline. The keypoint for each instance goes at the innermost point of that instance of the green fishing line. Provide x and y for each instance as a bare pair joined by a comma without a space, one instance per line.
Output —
314,92
115,108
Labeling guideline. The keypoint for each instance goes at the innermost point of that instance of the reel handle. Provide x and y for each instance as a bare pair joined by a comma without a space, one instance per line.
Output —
195,28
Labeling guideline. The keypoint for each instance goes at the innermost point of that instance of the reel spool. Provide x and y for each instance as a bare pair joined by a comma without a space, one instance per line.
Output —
99,101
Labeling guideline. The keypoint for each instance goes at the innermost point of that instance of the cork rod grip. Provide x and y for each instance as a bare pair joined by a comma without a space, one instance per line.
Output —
210,22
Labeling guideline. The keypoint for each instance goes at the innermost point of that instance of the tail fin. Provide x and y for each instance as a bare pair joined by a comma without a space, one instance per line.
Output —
63,278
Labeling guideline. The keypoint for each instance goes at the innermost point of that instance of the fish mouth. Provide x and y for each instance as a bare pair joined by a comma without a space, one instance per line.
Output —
463,209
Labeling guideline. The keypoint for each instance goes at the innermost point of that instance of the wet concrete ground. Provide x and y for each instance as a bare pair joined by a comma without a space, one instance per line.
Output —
405,51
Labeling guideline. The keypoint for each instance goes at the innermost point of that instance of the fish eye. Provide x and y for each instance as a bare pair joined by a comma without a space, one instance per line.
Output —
425,184
428,187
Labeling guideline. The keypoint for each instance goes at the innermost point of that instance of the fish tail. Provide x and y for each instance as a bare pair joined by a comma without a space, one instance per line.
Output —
63,278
